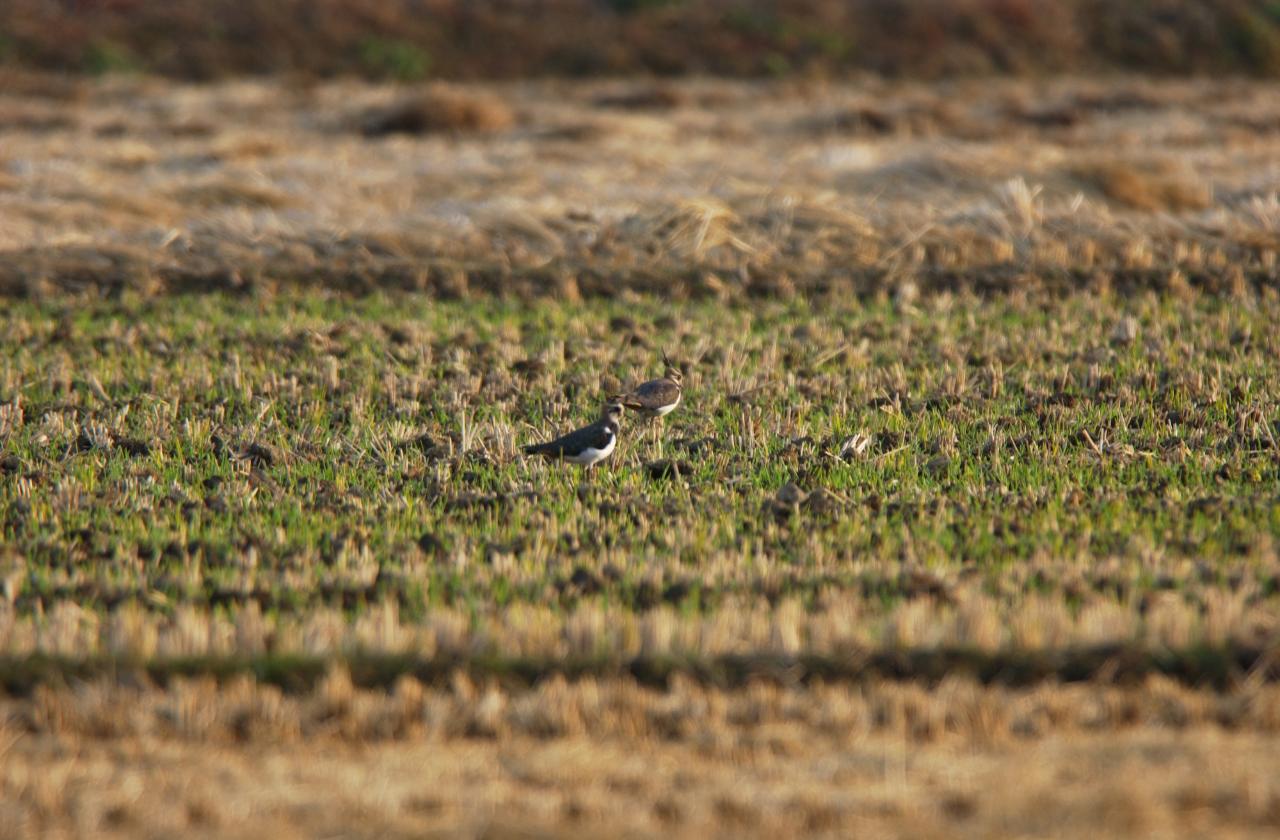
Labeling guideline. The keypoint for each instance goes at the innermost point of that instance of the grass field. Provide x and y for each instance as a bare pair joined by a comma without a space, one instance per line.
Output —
967,523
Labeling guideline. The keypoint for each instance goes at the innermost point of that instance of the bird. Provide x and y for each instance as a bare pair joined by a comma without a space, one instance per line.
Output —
657,397
586,446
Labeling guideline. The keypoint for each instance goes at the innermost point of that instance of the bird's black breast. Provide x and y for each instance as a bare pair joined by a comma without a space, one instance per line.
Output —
600,437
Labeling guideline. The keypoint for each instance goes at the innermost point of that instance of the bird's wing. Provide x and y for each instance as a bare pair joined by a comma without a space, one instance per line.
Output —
655,393
595,436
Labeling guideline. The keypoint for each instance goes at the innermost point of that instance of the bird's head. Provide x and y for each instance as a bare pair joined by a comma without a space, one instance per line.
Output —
672,372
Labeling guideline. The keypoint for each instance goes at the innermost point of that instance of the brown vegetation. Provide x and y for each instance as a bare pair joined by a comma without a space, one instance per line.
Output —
410,40
741,190
587,757
1152,185
956,708
439,110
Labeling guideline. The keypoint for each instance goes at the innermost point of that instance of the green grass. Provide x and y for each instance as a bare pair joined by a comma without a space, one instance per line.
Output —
1017,449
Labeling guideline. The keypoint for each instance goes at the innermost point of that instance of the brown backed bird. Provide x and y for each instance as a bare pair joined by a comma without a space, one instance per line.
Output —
657,397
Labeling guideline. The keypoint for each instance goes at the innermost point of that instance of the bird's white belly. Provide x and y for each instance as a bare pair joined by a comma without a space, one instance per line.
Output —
588,457
666,409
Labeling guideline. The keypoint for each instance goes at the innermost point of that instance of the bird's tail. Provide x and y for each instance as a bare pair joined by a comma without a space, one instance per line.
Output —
625,400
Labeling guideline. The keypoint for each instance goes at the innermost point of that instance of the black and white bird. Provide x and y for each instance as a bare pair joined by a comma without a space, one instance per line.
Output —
657,397
588,445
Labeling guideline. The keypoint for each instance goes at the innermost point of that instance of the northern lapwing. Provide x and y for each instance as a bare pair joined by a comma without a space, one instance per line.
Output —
586,446
657,397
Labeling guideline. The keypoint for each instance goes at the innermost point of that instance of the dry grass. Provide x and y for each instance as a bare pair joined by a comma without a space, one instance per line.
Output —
956,709
216,194
1154,186
739,190
1199,635
439,110
584,758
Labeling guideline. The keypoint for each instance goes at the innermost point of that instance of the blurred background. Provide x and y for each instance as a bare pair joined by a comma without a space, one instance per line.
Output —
411,40
580,146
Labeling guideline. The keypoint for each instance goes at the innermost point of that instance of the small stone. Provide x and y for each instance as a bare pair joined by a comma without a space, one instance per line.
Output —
823,501
261,454
937,466
790,494
431,544
586,581
667,468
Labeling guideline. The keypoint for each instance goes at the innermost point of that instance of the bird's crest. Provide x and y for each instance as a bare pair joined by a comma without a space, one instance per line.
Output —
672,372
